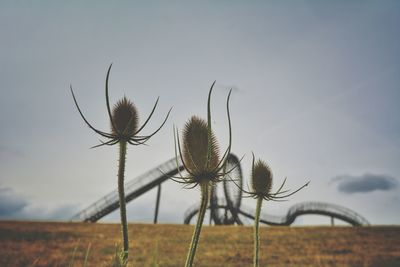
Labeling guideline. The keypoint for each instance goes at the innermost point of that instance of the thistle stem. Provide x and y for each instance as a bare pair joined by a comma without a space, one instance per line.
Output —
196,234
121,191
257,232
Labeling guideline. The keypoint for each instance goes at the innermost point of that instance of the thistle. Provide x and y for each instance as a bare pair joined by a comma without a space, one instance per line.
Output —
124,130
199,154
261,183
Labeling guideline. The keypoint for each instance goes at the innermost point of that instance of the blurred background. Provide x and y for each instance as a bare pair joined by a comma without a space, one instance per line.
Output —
315,94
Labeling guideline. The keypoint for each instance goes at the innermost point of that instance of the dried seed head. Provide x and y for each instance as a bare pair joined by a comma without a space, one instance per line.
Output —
261,178
125,117
195,147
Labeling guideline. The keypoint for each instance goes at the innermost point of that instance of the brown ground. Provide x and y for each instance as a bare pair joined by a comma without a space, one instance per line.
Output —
53,244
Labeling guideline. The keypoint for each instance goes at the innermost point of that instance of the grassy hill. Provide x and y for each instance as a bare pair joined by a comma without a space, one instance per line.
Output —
53,244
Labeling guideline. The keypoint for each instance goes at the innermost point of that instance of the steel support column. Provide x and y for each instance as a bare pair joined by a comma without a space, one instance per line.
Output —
157,203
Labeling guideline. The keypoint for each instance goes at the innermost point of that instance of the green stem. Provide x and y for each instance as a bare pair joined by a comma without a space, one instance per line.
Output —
121,191
256,232
200,218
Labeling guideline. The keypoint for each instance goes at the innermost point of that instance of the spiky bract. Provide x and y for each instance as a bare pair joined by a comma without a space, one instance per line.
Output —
124,130
195,147
124,121
261,181
125,118
199,152
261,178
200,158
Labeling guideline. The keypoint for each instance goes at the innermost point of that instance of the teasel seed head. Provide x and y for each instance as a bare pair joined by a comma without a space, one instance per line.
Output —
124,118
261,183
199,151
195,147
261,178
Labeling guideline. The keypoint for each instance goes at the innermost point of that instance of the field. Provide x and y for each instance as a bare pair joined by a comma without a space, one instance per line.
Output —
66,244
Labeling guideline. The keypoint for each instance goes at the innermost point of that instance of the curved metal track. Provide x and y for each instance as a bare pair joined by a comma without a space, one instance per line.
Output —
295,211
318,208
225,206
133,189
226,209
233,195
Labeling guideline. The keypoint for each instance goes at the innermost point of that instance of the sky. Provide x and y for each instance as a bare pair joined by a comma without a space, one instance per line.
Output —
316,89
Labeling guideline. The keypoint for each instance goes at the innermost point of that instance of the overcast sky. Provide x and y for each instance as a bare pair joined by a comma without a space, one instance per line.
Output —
316,91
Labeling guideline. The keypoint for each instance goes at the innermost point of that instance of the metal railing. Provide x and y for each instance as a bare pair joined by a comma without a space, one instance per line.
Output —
133,189
319,208
328,209
143,183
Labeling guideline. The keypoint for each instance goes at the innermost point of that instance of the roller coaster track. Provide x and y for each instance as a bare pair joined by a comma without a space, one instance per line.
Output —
225,209
133,189
319,208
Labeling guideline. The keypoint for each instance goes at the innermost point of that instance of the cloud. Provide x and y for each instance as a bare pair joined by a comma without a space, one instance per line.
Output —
10,203
61,213
14,206
368,182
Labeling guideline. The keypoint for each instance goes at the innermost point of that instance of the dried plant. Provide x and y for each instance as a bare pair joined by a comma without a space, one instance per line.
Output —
200,157
261,186
124,130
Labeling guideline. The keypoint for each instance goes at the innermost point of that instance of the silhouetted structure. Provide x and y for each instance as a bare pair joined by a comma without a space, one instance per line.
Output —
226,208
225,205
133,189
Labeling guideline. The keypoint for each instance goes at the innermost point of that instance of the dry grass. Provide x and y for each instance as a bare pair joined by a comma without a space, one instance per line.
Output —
52,244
